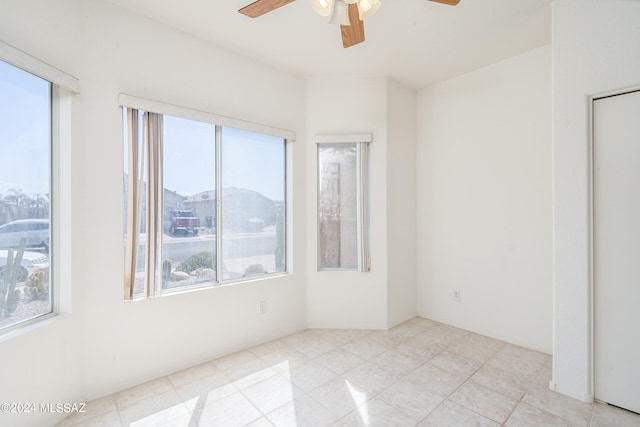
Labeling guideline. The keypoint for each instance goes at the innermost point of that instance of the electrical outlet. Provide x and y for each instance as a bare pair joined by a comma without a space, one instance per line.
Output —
262,307
455,295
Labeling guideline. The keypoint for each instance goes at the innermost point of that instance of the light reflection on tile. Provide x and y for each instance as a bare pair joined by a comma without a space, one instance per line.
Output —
418,373
272,393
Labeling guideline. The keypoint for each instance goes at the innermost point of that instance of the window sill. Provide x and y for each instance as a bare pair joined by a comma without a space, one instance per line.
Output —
209,285
29,326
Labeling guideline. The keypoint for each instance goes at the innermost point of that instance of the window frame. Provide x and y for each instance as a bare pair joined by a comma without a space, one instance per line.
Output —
362,142
62,87
155,289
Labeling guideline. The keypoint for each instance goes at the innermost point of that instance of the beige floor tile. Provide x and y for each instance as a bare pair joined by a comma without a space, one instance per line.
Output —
543,378
378,413
436,380
610,416
484,401
510,361
507,383
367,347
396,362
142,391
260,422
312,348
422,352
304,411
107,419
385,338
472,350
187,420
560,405
449,335
246,370
455,364
422,322
280,359
267,347
297,338
523,353
345,336
372,377
340,396
412,397
155,410
483,341
232,411
255,377
430,338
200,393
308,375
419,372
272,393
235,359
527,416
408,329
192,374
339,360
450,414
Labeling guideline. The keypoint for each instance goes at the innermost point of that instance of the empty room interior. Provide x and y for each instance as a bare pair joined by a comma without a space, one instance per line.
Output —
434,225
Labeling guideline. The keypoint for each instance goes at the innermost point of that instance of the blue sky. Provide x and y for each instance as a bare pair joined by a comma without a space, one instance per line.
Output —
253,161
24,132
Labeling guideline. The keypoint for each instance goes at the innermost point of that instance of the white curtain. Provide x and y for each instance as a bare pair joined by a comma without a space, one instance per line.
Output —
144,170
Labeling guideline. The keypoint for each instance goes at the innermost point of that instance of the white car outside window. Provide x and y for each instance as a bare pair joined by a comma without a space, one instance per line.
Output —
36,231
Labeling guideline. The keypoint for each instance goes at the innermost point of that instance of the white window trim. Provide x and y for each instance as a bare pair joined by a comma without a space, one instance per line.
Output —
348,138
163,108
39,68
63,87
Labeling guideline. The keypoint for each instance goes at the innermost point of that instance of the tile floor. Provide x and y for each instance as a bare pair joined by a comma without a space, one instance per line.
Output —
420,373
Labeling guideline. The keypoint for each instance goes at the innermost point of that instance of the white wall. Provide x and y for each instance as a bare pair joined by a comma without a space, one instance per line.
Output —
44,364
484,200
348,299
595,50
401,203
105,345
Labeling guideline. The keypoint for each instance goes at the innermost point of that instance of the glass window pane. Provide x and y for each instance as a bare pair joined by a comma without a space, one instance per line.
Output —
25,192
338,206
189,224
253,204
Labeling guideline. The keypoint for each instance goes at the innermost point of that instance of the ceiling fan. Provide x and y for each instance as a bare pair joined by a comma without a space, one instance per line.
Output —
349,14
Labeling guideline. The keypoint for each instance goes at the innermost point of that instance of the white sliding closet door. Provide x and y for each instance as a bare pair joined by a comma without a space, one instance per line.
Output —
616,244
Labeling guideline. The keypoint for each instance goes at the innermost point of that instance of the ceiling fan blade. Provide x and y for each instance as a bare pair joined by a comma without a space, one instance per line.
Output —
449,2
354,33
260,7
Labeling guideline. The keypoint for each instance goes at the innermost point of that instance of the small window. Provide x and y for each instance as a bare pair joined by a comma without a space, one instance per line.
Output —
342,205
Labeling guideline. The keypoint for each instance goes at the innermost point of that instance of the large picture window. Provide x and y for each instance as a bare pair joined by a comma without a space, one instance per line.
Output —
25,195
207,203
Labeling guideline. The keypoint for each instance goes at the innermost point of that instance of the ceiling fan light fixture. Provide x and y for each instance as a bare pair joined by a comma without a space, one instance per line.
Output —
340,13
367,8
321,7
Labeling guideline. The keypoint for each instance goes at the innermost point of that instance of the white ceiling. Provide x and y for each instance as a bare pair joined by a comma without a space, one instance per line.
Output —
416,42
